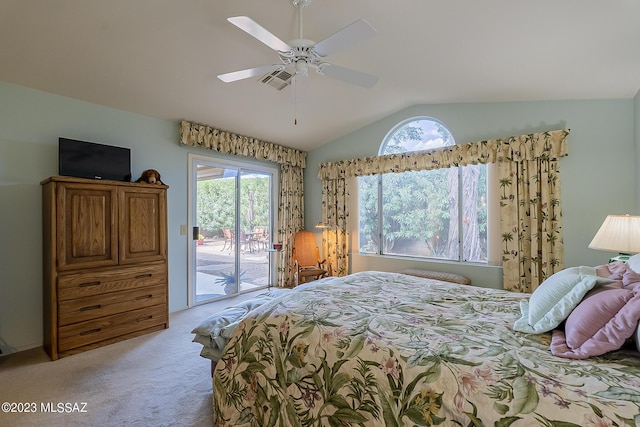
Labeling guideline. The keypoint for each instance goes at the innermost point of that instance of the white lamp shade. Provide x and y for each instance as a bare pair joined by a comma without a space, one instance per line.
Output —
618,233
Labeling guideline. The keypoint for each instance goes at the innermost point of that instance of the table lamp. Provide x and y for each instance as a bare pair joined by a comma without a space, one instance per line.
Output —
618,233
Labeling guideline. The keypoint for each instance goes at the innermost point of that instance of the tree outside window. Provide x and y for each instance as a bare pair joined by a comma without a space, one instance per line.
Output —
421,213
216,207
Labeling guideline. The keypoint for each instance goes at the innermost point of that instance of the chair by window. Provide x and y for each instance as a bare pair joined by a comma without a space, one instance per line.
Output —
245,242
306,258
228,239
265,240
260,238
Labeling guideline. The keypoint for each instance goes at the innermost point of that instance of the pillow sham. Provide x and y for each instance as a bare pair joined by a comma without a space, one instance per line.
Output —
601,323
613,270
631,280
603,270
554,299
619,270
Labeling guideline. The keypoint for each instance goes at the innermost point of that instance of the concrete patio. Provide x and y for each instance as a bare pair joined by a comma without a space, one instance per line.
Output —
214,259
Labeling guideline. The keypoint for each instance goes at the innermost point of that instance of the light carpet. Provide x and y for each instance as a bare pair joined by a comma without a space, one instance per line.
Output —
158,379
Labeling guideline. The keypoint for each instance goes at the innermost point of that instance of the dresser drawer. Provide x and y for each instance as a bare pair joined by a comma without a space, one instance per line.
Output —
78,285
93,331
87,308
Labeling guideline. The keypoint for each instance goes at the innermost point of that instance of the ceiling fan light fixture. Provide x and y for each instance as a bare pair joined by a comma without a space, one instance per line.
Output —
301,3
302,68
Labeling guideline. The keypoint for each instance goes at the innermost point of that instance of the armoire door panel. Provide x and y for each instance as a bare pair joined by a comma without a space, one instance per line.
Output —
88,220
142,230
87,229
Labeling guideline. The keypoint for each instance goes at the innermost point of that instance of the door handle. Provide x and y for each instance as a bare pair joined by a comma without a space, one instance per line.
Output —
196,233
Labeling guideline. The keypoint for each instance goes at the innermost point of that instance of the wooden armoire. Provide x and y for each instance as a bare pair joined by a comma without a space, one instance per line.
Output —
105,262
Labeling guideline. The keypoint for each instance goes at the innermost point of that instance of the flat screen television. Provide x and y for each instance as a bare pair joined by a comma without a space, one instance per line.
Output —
91,160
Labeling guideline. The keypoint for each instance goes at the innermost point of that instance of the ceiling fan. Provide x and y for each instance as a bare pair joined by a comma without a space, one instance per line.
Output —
302,54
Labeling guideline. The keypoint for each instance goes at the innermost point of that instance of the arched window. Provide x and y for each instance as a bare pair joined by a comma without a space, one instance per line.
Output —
421,213
416,134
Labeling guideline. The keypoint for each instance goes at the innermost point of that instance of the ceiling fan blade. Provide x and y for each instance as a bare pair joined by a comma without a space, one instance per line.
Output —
356,32
350,76
259,32
245,74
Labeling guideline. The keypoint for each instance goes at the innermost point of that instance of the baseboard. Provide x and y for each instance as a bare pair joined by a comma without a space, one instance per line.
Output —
6,349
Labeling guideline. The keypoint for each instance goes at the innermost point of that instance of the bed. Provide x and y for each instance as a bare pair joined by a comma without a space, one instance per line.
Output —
388,349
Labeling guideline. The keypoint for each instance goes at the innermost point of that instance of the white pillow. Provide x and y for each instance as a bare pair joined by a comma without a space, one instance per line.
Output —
634,263
555,298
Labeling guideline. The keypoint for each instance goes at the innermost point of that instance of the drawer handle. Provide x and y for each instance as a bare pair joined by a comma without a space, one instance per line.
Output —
144,297
142,319
87,284
91,331
91,307
142,276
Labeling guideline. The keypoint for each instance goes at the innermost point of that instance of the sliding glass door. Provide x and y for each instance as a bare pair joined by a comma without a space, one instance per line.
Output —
232,215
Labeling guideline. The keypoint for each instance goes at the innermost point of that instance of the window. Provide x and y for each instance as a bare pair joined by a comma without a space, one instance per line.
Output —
421,213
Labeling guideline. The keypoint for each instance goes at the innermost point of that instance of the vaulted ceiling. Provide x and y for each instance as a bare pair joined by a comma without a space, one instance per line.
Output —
161,57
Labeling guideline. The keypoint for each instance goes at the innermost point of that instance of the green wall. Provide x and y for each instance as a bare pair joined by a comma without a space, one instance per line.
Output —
30,124
597,176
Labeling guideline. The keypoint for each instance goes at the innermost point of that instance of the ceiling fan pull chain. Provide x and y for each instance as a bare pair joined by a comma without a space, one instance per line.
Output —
300,21
295,101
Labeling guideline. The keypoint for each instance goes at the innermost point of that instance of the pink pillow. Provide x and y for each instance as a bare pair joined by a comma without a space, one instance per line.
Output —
619,270
631,280
613,270
605,318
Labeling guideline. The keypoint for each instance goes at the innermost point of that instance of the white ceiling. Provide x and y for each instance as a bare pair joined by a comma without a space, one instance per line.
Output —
161,57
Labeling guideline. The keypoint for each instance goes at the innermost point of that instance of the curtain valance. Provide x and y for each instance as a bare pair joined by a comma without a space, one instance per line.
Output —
549,145
196,135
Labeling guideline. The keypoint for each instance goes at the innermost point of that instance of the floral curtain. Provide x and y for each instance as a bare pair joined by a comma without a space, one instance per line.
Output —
335,195
528,161
292,164
290,220
530,222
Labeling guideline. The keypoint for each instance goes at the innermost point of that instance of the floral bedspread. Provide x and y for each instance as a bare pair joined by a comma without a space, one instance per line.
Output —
386,349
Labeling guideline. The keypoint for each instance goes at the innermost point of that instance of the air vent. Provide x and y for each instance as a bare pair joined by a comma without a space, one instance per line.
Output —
278,79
